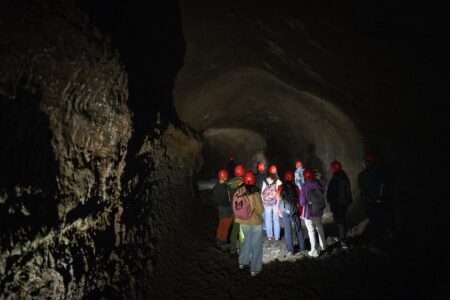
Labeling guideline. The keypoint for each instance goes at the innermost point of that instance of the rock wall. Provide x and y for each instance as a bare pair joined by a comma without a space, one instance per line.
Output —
71,225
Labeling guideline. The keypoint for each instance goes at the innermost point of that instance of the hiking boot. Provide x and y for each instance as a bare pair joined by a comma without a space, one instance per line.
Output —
289,254
313,253
254,273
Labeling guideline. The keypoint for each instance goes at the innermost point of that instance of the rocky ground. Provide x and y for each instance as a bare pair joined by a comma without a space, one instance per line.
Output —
193,268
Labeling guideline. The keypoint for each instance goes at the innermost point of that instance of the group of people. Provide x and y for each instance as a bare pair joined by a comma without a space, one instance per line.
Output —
302,195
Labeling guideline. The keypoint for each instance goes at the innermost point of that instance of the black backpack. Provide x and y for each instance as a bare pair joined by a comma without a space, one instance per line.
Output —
289,199
316,200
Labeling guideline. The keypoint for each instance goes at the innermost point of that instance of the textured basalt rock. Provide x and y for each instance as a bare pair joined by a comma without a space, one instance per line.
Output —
70,226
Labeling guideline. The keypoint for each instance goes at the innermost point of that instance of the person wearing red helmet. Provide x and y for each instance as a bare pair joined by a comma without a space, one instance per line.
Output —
270,200
374,186
234,183
339,195
289,195
313,201
299,180
252,250
260,177
221,197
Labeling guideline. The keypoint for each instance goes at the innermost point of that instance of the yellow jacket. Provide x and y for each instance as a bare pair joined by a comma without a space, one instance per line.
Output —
257,208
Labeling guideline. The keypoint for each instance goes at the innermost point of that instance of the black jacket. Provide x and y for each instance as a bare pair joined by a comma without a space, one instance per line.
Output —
339,192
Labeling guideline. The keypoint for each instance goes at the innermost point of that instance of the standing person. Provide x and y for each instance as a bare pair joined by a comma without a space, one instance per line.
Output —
260,177
289,195
372,182
230,167
221,195
299,180
234,184
313,202
339,195
252,247
270,200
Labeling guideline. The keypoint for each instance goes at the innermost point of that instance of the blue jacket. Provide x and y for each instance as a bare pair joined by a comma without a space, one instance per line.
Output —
299,179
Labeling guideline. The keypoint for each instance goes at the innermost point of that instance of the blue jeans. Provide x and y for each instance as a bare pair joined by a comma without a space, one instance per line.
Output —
252,248
288,231
272,215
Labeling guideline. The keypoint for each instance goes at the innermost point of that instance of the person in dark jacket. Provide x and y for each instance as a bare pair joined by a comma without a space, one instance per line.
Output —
289,195
339,195
260,176
221,194
374,185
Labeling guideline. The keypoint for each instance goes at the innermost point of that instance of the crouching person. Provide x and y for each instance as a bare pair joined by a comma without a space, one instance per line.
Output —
248,209
312,199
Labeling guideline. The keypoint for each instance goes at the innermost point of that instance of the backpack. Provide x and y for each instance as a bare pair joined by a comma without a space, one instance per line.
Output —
241,204
289,199
269,195
316,200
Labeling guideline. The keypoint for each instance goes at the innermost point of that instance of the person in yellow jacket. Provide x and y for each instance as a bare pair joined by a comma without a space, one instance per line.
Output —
252,248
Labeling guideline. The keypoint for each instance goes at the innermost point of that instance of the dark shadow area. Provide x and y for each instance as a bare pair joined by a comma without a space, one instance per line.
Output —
151,45
28,168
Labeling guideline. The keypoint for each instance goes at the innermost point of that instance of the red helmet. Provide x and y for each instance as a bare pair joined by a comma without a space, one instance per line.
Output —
370,157
272,169
231,157
261,167
307,174
335,165
239,170
223,174
298,164
289,176
249,178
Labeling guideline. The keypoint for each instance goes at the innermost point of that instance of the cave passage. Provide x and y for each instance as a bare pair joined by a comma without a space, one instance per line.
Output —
252,115
112,113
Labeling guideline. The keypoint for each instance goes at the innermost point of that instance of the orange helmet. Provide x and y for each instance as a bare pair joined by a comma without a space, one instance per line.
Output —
223,174
249,178
273,169
335,165
307,174
289,176
298,164
261,167
239,170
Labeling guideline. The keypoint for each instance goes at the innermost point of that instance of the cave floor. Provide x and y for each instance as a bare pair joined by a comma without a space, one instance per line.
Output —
193,268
